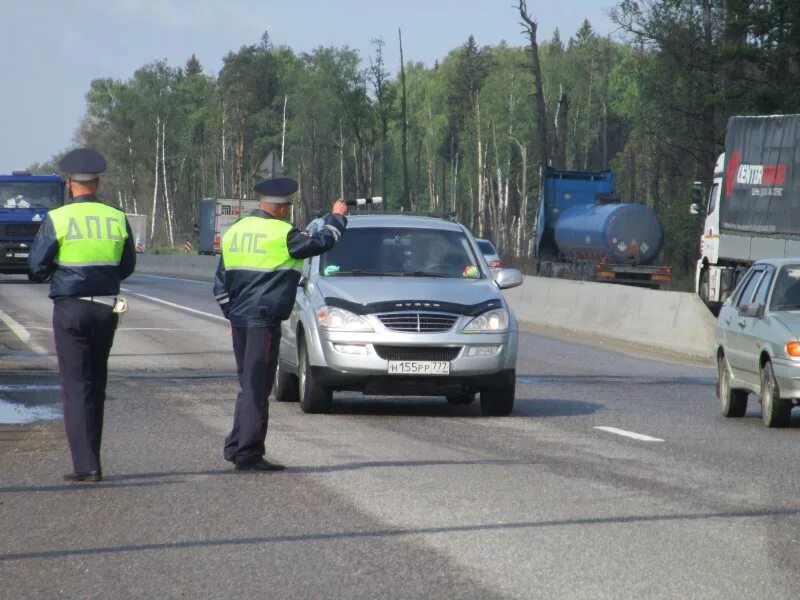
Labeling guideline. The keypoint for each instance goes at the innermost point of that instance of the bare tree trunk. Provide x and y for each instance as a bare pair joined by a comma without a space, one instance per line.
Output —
479,204
341,161
605,134
523,208
433,200
283,130
454,170
155,182
561,126
403,108
589,116
355,166
168,208
541,108
239,155
496,206
132,175
222,191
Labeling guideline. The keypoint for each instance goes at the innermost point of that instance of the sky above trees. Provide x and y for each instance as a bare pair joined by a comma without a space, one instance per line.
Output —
53,51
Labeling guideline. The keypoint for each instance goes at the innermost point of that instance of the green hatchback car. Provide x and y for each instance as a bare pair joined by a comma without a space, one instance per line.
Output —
758,342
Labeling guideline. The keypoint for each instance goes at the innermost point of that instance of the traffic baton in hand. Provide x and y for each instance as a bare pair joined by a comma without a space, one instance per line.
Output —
362,201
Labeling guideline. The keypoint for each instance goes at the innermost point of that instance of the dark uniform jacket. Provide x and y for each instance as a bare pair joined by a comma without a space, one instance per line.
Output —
259,298
74,280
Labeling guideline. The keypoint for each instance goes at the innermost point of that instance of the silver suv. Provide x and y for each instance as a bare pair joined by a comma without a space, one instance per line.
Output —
403,305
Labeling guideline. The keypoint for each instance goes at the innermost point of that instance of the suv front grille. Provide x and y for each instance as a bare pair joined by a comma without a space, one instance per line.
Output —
417,352
418,322
19,230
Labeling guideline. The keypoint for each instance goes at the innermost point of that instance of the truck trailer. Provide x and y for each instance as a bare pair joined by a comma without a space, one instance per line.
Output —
216,217
753,206
25,199
583,231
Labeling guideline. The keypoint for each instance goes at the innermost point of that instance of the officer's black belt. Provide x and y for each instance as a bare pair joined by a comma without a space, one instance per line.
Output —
107,300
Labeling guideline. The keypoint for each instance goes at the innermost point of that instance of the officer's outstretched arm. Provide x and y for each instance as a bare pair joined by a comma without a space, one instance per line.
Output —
305,244
127,263
220,290
41,260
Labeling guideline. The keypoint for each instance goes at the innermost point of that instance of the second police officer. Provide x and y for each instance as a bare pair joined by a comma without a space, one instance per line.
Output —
87,248
255,286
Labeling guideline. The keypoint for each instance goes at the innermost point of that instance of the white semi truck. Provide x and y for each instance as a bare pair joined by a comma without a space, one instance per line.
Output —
753,207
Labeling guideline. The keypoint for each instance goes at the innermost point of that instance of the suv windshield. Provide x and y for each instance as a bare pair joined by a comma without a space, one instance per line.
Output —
401,251
786,294
42,194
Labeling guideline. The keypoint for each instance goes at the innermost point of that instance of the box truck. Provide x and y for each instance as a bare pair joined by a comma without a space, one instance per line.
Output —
216,217
753,206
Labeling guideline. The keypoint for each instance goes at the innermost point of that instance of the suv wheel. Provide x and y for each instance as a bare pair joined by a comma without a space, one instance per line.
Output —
774,410
734,402
285,385
498,400
313,397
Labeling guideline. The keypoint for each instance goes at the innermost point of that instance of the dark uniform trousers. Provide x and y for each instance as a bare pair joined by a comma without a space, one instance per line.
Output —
256,351
84,333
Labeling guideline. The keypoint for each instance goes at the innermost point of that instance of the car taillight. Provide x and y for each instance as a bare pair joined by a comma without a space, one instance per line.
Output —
495,264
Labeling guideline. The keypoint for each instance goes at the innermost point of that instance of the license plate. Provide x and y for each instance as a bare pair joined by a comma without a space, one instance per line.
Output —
16,255
419,367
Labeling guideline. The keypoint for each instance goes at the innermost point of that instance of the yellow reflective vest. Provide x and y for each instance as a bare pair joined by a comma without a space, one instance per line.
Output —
86,246
260,267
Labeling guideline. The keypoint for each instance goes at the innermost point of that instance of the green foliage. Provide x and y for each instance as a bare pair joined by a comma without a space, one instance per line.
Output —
653,107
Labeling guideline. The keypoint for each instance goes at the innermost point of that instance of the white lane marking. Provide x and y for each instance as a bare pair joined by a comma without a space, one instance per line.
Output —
205,282
23,334
154,329
630,434
173,305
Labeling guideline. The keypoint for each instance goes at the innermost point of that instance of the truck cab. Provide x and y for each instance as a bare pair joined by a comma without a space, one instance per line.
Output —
25,199
711,283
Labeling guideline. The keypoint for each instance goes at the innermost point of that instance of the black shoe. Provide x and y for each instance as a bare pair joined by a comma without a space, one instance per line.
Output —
259,465
87,476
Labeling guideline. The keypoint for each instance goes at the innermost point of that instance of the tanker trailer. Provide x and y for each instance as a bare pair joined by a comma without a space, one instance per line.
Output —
584,232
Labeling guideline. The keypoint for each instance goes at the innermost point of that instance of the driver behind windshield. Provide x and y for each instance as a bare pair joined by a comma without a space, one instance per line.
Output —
436,255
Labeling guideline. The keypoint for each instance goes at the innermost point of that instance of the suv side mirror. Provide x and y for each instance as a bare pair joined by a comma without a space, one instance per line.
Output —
508,278
752,310
694,209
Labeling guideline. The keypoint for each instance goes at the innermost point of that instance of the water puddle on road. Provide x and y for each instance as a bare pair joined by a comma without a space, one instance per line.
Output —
37,406
17,414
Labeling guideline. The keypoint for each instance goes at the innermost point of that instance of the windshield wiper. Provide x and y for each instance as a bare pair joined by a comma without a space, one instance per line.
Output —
426,274
363,273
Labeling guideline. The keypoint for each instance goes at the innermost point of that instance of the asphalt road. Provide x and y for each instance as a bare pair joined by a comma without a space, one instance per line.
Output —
389,498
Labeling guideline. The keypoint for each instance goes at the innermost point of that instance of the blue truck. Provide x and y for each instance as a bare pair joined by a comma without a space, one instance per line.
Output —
583,231
24,202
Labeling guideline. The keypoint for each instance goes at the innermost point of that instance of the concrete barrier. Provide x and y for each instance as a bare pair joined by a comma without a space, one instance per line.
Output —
670,322
189,266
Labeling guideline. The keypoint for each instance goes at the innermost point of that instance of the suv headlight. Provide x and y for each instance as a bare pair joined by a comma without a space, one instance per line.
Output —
330,317
493,321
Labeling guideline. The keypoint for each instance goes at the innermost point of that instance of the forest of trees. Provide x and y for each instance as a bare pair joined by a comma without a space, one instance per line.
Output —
465,135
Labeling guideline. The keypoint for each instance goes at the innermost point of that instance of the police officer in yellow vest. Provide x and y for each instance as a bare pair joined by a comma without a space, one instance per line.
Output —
255,285
87,248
